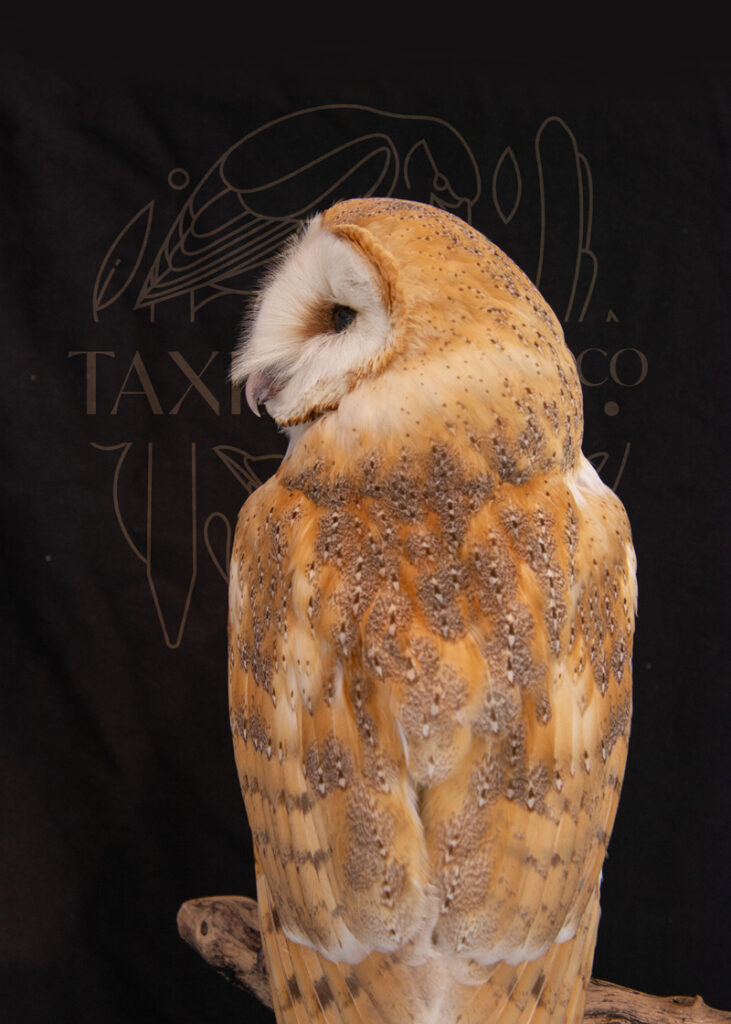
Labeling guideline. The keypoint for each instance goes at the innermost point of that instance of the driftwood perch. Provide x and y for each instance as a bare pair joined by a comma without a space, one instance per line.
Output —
224,930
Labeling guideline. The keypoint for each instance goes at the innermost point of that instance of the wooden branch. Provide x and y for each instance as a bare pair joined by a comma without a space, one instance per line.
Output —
224,930
612,1004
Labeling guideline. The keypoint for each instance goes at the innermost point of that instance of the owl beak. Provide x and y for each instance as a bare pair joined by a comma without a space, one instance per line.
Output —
259,389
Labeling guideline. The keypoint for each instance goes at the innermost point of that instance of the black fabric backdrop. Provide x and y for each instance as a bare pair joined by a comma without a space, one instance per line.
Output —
137,208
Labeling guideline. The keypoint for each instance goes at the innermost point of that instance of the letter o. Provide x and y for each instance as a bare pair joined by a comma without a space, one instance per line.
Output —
615,375
580,366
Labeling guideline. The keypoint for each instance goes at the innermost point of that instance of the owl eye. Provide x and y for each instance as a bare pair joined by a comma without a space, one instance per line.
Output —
342,318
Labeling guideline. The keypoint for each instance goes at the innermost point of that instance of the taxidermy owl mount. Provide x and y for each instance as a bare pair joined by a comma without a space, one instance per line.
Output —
431,617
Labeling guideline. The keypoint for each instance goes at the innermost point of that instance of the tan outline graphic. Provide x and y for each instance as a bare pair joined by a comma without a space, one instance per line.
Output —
114,258
221,568
232,223
600,459
507,154
147,557
585,212
240,464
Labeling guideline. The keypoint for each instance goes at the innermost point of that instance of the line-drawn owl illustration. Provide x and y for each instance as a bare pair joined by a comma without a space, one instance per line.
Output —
431,618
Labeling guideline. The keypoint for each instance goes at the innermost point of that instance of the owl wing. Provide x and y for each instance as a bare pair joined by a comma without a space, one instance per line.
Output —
335,827
430,702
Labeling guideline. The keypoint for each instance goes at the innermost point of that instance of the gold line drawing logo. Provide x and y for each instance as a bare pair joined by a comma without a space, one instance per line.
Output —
230,223
578,171
238,215
243,466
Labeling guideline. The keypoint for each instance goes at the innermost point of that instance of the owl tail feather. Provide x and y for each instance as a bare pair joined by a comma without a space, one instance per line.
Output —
309,989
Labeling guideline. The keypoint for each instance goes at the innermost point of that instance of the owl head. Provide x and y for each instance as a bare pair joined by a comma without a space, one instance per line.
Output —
409,307
322,320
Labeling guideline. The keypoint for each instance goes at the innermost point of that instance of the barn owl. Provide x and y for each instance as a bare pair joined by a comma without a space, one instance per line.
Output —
431,617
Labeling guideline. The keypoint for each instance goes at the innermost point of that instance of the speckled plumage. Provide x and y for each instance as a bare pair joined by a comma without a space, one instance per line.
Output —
431,619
